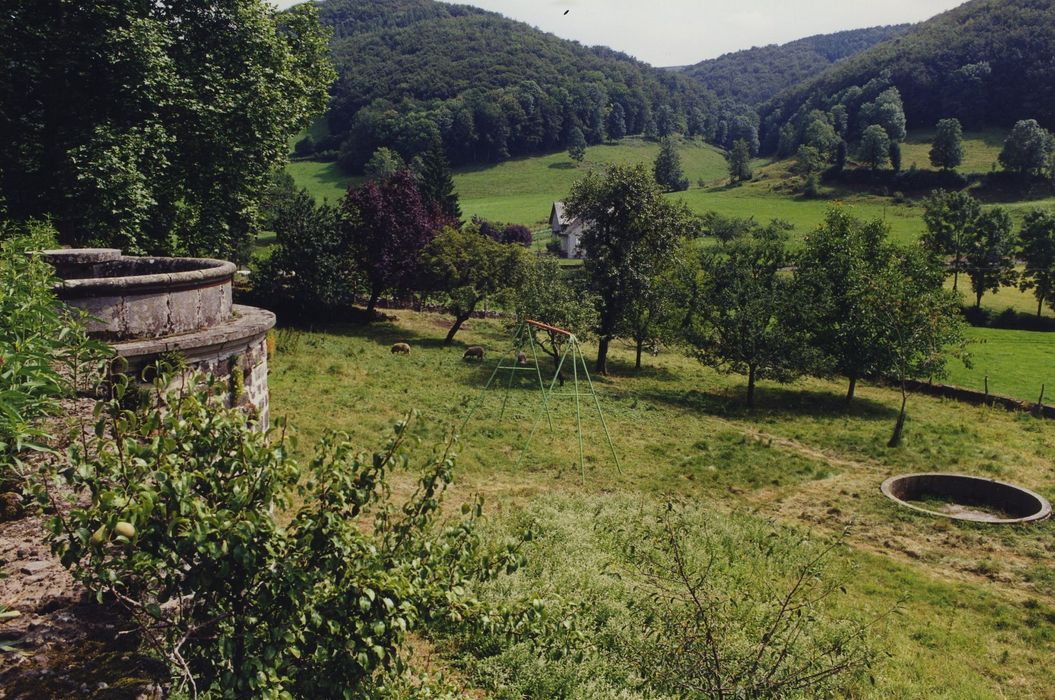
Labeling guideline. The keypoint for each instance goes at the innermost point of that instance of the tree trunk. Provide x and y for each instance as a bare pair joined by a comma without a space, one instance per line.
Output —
458,321
956,272
751,386
375,294
978,299
850,391
637,362
602,356
1040,306
899,427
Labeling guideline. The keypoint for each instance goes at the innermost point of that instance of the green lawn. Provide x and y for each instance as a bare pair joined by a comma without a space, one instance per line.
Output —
523,190
1016,362
976,599
981,149
1006,298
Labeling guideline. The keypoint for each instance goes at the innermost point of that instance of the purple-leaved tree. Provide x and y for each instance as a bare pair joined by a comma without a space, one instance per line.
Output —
386,225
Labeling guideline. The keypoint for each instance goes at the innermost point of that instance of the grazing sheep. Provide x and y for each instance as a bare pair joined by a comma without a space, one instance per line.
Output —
473,352
522,358
400,349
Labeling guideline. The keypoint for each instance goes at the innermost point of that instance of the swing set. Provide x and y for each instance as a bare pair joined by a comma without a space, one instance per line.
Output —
525,339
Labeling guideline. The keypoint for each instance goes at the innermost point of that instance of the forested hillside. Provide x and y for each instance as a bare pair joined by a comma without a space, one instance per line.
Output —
758,74
987,63
491,88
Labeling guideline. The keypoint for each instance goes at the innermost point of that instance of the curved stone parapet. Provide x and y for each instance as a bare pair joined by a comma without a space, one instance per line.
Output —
149,307
128,297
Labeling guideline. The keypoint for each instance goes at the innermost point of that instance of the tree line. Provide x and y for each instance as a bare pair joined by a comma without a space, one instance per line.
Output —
850,304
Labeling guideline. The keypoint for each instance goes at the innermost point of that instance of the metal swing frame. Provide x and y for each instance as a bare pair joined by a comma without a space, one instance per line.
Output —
525,336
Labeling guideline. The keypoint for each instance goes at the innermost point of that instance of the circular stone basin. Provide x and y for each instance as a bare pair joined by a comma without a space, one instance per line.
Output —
130,297
966,498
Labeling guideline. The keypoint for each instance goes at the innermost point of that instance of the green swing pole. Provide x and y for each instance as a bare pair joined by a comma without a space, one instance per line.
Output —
480,398
538,371
538,419
512,371
576,352
604,423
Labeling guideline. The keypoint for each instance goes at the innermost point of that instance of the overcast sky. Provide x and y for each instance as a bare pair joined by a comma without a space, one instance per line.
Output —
679,32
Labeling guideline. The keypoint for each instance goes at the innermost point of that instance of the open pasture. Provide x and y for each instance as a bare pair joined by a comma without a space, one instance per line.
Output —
974,598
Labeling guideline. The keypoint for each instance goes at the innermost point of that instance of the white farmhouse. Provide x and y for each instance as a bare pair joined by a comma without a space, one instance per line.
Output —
569,231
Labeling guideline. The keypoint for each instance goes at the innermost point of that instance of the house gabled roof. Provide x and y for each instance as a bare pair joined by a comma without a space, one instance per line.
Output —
558,209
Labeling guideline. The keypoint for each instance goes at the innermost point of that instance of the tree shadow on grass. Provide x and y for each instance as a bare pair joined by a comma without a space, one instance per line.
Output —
562,165
774,401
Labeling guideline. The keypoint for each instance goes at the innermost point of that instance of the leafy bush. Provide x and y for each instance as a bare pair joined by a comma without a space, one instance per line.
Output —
172,517
43,347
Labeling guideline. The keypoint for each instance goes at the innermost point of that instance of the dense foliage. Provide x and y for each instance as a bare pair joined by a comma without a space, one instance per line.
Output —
631,236
172,516
43,347
986,62
385,225
755,75
489,87
468,269
153,126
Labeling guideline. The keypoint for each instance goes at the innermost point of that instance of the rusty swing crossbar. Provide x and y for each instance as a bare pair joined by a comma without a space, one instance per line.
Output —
525,336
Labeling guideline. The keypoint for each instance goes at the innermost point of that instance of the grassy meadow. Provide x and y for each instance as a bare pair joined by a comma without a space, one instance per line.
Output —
980,600
1016,362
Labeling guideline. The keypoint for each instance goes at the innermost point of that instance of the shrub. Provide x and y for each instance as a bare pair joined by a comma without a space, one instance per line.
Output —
171,516
44,350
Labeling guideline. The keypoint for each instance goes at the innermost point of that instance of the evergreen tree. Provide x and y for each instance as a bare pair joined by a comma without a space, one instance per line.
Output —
875,147
668,170
437,183
739,159
577,145
947,150
616,122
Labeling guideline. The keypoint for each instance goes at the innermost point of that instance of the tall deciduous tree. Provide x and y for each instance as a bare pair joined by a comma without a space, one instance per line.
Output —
383,163
386,224
630,232
470,268
888,111
1037,239
840,257
946,152
667,168
990,255
739,161
950,218
153,126
740,322
1028,148
918,322
548,294
577,145
875,147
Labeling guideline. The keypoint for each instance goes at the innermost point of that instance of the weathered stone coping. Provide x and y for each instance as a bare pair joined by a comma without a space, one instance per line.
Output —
1024,505
246,324
125,276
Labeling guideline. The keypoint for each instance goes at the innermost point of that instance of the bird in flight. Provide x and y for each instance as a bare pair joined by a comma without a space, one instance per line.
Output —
567,11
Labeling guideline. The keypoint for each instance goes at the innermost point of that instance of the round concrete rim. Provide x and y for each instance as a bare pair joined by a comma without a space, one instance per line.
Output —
1043,512
209,272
